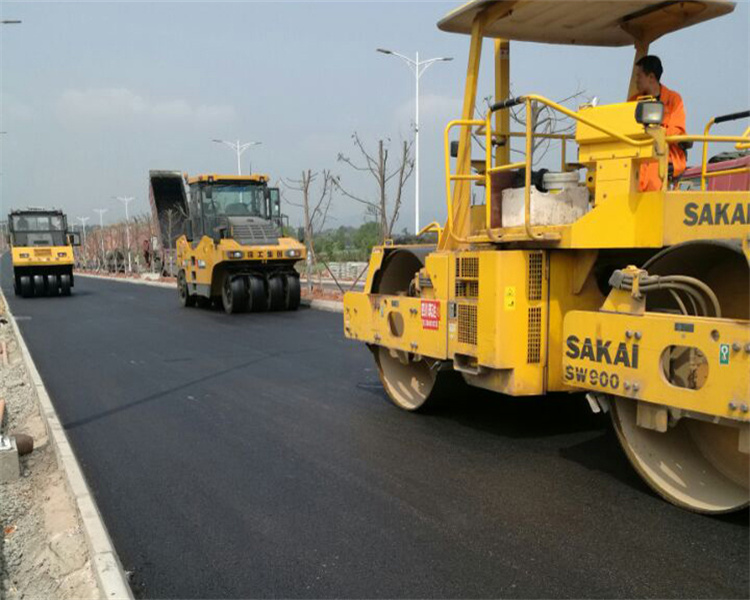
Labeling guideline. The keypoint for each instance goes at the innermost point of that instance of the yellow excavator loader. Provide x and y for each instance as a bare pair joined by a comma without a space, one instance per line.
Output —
227,230
41,251
579,282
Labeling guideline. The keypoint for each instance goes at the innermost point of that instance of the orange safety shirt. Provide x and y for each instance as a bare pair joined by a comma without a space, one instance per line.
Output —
674,122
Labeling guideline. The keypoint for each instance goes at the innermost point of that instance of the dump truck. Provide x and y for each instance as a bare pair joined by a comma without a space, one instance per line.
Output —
579,282
227,234
42,252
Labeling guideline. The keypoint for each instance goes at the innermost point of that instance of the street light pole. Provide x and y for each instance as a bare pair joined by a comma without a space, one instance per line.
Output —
418,68
83,224
238,148
127,200
101,212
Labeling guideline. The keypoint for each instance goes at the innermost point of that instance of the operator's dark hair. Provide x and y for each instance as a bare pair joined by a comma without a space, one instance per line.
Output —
651,65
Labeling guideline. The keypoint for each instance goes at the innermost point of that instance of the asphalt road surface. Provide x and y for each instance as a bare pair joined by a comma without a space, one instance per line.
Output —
257,456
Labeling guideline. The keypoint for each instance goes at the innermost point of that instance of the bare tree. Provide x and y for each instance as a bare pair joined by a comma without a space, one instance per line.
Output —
544,120
173,225
385,212
315,208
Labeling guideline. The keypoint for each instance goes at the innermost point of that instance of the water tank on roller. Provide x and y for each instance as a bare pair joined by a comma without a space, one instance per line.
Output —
566,202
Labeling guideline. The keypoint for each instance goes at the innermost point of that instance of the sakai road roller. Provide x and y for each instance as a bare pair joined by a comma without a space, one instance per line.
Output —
227,230
574,280
41,251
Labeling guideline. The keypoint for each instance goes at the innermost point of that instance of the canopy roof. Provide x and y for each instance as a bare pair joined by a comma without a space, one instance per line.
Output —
585,22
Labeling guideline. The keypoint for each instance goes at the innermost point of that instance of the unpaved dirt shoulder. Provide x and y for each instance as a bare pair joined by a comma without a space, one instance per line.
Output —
44,553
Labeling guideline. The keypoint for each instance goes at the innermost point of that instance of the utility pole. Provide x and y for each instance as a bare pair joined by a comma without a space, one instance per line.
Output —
101,212
418,68
85,252
127,200
238,148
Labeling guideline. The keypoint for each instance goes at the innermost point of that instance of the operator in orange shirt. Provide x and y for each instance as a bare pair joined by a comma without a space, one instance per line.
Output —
648,71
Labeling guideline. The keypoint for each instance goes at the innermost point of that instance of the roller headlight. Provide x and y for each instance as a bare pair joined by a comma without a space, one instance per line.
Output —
61,255
24,255
234,254
650,112
293,253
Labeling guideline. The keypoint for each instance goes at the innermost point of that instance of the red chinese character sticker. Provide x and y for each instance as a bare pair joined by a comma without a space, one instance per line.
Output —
430,314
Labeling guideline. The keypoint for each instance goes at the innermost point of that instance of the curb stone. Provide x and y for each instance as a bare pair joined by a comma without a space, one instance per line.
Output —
327,305
104,560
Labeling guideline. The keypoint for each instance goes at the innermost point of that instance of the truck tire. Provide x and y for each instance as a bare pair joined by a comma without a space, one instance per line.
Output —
234,294
257,301
53,285
275,292
65,284
293,293
39,285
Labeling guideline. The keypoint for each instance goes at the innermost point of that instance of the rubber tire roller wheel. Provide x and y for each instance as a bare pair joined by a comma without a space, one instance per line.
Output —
257,300
234,295
275,293
187,300
65,284
293,293
26,289
39,289
53,285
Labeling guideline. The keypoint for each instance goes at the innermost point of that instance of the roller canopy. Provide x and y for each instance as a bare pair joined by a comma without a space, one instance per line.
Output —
584,22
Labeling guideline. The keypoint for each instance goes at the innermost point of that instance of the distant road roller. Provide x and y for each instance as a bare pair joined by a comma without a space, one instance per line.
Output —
42,252
230,249
574,280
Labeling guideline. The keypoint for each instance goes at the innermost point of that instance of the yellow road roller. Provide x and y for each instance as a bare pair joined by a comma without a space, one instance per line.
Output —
575,280
41,251
230,249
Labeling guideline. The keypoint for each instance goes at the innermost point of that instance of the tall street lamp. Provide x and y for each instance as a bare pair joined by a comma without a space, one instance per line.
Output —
418,68
83,225
238,148
101,212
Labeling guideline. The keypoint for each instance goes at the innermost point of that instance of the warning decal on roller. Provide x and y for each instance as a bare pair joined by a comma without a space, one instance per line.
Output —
430,314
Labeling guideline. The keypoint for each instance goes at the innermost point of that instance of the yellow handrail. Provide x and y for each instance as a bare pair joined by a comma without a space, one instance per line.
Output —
704,159
727,172
586,121
448,176
744,145
434,226
742,142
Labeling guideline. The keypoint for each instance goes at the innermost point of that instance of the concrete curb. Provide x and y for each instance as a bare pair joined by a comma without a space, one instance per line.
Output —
327,305
109,573
161,284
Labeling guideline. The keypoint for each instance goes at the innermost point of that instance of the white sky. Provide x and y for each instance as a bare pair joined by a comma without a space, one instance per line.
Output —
96,94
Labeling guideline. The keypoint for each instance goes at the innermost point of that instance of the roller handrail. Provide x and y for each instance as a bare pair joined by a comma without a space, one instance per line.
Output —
742,141
434,226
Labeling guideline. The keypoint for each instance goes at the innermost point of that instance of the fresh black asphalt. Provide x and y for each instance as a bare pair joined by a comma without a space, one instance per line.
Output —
257,456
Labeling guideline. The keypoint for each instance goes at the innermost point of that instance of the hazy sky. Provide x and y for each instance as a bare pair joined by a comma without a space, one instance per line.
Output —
96,94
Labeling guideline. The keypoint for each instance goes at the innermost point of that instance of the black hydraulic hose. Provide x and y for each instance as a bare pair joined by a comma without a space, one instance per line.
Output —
732,117
508,103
